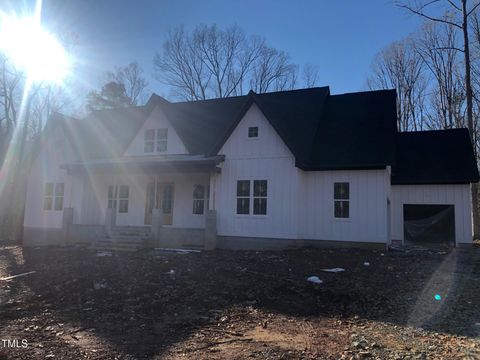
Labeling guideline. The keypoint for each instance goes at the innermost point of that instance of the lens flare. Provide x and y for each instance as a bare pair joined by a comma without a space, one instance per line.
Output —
33,49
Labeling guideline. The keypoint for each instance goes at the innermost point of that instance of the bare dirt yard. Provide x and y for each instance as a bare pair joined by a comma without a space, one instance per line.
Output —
239,305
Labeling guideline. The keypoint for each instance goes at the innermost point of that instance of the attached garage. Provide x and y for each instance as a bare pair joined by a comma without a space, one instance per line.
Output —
430,193
429,224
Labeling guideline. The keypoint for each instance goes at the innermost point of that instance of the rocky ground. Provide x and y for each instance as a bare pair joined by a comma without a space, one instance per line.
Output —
419,304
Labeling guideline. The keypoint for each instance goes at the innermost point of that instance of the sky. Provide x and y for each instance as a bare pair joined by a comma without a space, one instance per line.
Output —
340,36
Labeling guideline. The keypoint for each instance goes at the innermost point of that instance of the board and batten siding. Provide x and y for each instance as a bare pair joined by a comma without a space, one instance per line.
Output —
156,120
450,194
263,158
300,204
368,206
46,169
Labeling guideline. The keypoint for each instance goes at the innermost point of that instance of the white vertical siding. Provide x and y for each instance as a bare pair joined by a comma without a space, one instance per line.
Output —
368,206
262,158
156,120
300,204
457,195
46,168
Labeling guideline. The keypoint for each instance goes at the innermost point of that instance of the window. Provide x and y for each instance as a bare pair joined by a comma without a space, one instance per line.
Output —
162,136
118,194
123,192
257,197
253,132
112,197
156,140
243,197
341,195
149,140
260,197
199,196
53,196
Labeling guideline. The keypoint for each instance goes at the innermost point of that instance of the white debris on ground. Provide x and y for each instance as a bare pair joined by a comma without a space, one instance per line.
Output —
99,285
314,279
179,251
171,272
366,263
16,276
104,253
334,270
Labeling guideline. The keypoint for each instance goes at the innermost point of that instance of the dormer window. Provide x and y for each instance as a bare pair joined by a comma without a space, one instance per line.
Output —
253,132
156,140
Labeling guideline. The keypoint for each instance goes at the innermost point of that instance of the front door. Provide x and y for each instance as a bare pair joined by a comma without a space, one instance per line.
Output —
159,198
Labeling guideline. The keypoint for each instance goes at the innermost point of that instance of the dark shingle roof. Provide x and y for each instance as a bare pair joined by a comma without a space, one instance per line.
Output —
355,131
323,132
434,157
103,133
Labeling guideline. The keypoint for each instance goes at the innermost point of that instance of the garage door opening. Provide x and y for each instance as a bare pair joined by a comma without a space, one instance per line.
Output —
429,224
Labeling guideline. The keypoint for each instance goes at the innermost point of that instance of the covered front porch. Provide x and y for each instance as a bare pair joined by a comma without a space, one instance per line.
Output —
156,202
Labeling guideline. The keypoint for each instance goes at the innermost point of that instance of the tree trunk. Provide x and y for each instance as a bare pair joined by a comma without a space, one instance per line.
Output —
468,93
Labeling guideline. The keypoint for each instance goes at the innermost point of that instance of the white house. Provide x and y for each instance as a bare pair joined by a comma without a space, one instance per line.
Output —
275,170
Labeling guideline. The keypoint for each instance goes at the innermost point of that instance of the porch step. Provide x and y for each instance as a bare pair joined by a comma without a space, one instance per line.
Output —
125,238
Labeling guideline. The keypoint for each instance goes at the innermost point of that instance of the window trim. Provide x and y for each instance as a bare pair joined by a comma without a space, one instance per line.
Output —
156,141
53,196
253,137
348,199
115,200
204,200
252,198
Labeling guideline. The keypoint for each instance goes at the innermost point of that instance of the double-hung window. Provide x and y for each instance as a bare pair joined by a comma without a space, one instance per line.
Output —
199,194
252,197
341,198
162,137
53,199
155,140
118,194
149,145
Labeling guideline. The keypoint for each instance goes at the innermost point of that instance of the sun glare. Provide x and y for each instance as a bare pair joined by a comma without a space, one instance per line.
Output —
33,49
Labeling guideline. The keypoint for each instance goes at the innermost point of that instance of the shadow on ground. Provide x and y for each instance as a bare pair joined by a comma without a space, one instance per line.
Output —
139,305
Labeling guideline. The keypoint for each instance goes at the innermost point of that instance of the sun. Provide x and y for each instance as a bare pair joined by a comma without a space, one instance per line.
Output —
33,49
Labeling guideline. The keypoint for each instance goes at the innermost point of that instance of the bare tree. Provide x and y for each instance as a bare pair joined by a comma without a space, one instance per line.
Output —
213,62
457,16
133,80
310,75
398,66
437,46
273,71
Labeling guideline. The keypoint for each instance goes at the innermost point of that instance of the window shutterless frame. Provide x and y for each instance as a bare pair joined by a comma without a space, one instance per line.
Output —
53,196
341,200
198,199
118,197
155,140
252,197
252,132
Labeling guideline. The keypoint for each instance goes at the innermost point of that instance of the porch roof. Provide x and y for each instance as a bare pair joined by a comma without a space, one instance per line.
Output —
148,164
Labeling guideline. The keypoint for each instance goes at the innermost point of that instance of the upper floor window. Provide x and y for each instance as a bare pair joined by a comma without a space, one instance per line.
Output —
155,140
53,199
252,197
253,132
341,198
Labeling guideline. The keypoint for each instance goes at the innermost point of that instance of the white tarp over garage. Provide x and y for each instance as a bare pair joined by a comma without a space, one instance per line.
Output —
457,196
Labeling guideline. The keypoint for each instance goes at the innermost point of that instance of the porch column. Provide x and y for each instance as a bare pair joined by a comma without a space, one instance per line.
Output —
157,216
110,218
211,230
67,220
